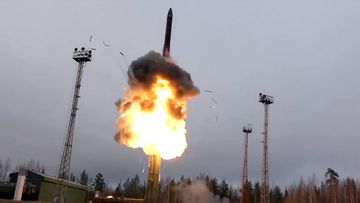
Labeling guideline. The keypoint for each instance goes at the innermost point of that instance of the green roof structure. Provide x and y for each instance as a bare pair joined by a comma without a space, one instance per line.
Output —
41,187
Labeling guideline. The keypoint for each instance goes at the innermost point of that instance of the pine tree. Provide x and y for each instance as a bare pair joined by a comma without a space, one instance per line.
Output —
72,177
84,178
119,192
224,189
276,195
214,186
133,188
99,183
256,195
332,181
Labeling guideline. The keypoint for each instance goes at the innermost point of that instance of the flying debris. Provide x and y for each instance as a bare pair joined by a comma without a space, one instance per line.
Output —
126,63
118,103
213,104
125,59
107,45
93,49
90,38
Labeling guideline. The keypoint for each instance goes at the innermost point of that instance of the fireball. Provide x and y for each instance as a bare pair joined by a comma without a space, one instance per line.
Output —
152,114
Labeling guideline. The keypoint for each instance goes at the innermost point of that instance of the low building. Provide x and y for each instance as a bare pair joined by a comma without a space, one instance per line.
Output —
41,187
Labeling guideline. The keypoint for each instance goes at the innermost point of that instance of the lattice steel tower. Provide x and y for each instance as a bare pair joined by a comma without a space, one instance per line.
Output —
265,198
244,192
81,56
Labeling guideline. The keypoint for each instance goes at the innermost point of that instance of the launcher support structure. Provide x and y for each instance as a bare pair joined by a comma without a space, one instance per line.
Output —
152,186
264,195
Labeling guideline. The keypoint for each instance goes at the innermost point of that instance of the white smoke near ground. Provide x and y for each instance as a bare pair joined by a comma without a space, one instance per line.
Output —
197,192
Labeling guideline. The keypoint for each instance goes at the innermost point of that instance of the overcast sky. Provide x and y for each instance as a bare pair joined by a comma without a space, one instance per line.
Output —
304,53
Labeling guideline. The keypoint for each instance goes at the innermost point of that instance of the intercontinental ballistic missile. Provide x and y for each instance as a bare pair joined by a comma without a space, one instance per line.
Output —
166,50
152,185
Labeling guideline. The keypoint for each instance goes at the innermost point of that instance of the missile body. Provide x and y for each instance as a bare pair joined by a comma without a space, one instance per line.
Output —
166,49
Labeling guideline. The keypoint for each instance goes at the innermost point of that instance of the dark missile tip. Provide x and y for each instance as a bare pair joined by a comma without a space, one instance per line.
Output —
170,12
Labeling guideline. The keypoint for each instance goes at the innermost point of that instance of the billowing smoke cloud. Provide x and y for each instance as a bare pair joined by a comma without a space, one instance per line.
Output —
144,71
198,193
144,74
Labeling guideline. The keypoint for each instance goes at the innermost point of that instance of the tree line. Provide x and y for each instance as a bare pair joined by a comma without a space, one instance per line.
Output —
169,189
331,189
6,168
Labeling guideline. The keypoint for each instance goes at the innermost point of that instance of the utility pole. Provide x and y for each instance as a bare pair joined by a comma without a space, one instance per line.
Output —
265,198
81,56
245,193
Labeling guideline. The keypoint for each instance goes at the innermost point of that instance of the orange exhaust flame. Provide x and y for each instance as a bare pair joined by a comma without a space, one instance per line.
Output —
155,130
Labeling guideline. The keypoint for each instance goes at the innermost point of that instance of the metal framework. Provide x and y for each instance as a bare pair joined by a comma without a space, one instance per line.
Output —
152,186
265,198
244,192
81,56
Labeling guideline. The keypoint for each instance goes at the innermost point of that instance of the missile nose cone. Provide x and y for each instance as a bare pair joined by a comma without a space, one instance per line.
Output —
170,13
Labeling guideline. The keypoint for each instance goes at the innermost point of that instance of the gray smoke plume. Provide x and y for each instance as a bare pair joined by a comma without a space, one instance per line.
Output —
198,193
144,70
143,73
